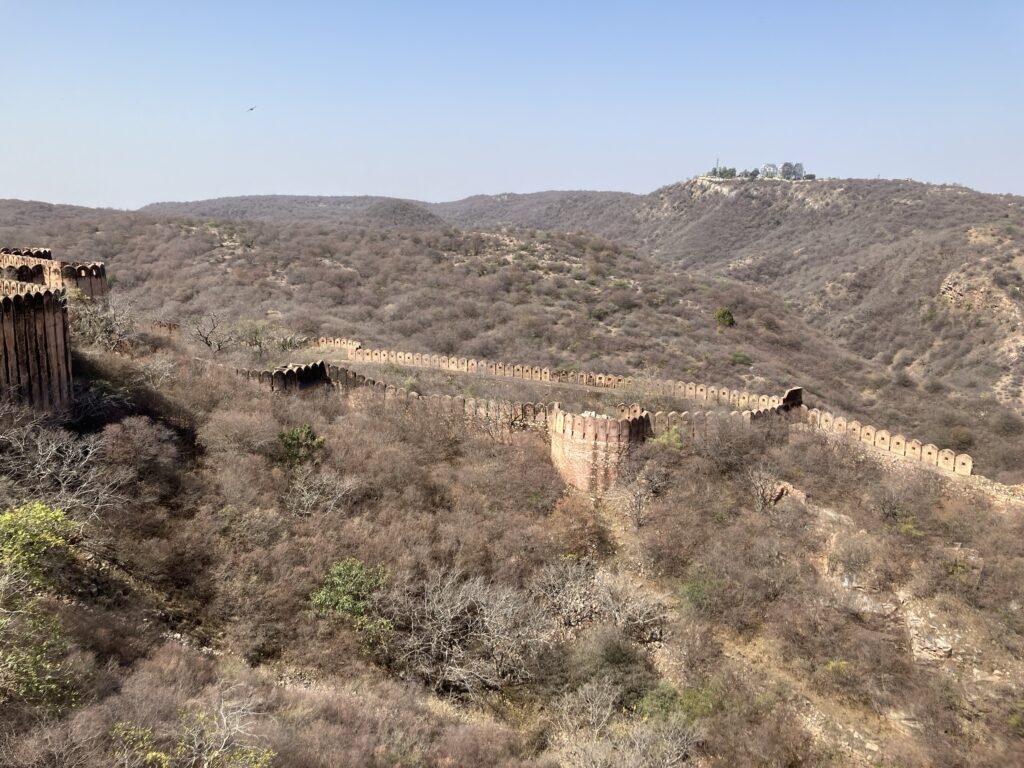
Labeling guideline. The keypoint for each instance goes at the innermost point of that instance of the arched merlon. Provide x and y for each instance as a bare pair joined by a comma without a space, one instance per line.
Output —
883,440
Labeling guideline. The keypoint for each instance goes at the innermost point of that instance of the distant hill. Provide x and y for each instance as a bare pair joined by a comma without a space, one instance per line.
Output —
373,211
610,214
924,278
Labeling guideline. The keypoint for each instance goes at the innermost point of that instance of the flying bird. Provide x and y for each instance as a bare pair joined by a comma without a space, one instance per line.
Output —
250,109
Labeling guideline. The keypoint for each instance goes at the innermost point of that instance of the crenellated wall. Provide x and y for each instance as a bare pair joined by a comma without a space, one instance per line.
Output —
289,378
745,405
687,390
35,350
896,445
35,343
347,344
36,265
588,449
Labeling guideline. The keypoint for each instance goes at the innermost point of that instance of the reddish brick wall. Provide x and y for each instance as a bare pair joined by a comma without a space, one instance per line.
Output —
590,451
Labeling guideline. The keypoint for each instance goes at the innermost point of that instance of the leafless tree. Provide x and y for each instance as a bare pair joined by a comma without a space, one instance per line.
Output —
212,735
66,744
567,589
314,490
637,613
110,324
462,635
660,743
60,468
762,480
635,495
209,330
589,708
156,372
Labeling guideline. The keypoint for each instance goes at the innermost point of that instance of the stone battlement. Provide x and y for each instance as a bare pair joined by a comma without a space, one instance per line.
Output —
588,449
897,445
35,354
36,265
757,405
35,344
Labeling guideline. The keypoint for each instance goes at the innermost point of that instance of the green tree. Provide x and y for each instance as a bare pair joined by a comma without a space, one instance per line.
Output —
724,317
30,533
32,645
347,587
300,445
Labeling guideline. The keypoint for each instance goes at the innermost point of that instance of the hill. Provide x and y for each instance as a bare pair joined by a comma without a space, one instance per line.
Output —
924,279
367,210
195,569
892,302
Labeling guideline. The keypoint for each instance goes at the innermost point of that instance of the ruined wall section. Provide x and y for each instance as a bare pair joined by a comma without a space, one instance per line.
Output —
894,444
36,265
35,350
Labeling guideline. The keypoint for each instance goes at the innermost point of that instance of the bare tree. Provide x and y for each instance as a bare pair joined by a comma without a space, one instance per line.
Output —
313,490
60,468
589,709
222,734
209,330
110,324
637,613
660,743
566,588
634,496
762,480
461,635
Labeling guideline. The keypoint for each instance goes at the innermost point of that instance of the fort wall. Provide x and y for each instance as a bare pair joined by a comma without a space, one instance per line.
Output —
746,406
36,265
893,444
35,351
35,343
687,390
588,450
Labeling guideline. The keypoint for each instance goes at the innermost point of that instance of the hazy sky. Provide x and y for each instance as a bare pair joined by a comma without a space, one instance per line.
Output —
125,103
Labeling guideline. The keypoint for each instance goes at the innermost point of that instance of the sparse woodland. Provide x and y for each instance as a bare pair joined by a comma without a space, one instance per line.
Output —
194,572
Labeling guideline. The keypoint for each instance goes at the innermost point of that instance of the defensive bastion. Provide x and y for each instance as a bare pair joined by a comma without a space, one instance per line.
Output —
35,345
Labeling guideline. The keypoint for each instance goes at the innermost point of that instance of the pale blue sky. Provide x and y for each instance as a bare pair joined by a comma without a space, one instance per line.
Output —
125,103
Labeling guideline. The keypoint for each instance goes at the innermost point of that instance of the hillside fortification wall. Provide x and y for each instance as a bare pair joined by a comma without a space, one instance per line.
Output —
37,265
687,390
589,450
756,404
35,343
894,444
35,351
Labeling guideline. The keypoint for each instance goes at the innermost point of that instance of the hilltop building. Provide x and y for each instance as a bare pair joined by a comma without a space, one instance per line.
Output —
791,171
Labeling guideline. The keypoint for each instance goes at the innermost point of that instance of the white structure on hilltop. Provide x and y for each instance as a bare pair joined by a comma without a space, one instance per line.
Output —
791,171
